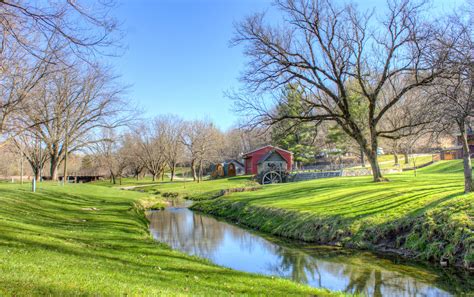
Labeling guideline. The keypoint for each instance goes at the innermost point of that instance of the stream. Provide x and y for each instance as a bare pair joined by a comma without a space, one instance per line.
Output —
332,268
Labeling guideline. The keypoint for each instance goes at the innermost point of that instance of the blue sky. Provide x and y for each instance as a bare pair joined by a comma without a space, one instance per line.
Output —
178,59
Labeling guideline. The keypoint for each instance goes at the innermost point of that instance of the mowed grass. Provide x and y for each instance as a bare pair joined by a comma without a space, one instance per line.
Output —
198,191
427,216
180,174
359,197
388,161
84,240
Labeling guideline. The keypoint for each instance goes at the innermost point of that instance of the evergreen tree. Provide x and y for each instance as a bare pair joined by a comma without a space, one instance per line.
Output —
292,134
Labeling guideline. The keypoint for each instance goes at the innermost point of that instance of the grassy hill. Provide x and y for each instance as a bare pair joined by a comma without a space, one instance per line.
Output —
84,240
388,162
427,216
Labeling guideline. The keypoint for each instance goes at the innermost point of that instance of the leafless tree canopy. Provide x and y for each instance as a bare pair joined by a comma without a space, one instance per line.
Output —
335,51
67,108
453,93
83,27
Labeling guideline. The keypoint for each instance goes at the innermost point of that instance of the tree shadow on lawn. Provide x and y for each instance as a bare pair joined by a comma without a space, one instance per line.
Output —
144,272
359,204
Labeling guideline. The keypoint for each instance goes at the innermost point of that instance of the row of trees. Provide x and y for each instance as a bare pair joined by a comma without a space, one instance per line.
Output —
53,92
376,77
159,145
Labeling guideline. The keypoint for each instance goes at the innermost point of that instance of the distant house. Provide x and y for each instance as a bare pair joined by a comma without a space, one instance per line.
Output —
267,157
227,169
233,168
456,152
470,142
451,153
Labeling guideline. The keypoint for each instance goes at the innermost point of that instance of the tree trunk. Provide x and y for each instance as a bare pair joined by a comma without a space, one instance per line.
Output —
395,158
200,170
65,174
153,176
407,158
193,170
466,160
54,165
21,169
362,157
373,158
374,164
37,174
173,168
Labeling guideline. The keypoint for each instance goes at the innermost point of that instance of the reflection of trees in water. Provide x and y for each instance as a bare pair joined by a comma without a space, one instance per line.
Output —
201,235
196,234
366,280
377,283
183,230
299,265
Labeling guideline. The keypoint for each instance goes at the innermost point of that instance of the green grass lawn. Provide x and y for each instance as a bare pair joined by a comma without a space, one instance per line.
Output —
198,191
427,215
180,174
388,161
129,181
83,240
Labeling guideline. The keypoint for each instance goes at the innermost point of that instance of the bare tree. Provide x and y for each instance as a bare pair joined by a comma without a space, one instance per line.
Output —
108,152
151,148
201,139
84,28
333,52
70,106
20,76
237,141
33,148
454,92
410,119
130,147
172,129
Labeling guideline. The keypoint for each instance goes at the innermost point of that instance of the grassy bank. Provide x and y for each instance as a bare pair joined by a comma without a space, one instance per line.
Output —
199,191
87,240
427,217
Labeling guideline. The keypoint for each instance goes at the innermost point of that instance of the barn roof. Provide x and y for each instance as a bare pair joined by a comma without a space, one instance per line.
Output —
267,155
261,148
236,162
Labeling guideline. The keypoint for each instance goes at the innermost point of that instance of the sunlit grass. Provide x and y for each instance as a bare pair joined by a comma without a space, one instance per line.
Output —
85,240
388,161
202,190
427,214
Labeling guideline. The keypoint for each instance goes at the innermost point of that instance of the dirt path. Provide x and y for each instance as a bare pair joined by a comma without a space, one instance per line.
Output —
137,186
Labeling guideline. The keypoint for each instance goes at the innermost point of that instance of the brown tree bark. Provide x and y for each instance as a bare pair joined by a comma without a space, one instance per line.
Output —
374,164
193,170
371,153
362,157
112,177
395,158
406,157
466,159
53,170
173,169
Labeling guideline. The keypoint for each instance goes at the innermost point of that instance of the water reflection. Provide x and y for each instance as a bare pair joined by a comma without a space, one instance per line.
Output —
237,248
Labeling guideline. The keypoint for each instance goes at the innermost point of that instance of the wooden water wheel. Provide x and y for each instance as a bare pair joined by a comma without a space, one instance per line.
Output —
271,177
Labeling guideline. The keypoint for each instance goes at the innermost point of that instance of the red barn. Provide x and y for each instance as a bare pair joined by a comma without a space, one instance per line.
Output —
256,160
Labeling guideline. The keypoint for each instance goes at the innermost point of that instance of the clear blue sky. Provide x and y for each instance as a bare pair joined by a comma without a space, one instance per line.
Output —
178,59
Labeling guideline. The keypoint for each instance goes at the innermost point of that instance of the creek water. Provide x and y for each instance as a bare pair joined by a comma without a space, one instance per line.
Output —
324,267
